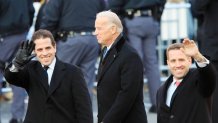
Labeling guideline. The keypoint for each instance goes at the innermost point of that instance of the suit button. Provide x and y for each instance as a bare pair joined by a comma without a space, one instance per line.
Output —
171,116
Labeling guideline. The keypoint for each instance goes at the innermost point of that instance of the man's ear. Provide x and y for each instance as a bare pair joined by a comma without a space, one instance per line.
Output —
167,62
114,29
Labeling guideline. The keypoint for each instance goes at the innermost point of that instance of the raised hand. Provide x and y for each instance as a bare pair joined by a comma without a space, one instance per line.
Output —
24,54
190,49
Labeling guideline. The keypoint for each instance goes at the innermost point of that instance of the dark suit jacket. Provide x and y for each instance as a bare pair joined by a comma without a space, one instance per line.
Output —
191,101
65,101
120,86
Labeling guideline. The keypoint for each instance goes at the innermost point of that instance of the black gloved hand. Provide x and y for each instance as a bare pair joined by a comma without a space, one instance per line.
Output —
24,54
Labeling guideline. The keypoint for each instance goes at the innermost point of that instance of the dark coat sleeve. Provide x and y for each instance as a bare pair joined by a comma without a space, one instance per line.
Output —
207,80
19,78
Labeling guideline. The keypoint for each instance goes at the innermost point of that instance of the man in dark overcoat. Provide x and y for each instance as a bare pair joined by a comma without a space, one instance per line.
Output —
186,96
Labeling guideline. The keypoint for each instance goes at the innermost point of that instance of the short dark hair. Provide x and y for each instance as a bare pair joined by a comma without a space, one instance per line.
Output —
41,34
175,46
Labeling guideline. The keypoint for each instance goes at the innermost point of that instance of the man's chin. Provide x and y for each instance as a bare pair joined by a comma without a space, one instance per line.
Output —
180,76
46,63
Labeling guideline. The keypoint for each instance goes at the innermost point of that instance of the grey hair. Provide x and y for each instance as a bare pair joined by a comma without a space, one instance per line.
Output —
112,18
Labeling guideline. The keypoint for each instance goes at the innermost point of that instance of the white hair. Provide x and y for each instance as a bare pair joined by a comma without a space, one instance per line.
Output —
112,18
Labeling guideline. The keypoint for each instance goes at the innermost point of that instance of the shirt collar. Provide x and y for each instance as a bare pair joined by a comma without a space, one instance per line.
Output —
108,47
114,43
174,80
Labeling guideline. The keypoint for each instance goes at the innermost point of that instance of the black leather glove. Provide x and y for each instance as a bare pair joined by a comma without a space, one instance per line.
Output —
24,54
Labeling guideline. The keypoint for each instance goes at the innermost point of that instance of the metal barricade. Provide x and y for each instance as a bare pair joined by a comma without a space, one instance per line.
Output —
176,24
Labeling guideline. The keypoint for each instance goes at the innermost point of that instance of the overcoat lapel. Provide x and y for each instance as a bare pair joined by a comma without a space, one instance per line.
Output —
42,78
58,74
110,57
106,62
180,88
177,91
163,96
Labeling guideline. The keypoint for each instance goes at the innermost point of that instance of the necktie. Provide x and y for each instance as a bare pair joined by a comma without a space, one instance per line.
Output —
45,70
103,53
177,83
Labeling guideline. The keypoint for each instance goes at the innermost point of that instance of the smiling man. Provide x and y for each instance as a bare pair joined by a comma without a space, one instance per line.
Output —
57,94
186,95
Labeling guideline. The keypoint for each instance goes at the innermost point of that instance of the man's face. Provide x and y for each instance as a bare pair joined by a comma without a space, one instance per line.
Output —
103,31
178,63
44,50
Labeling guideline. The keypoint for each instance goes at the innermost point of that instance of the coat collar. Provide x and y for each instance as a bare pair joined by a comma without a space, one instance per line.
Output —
181,87
42,78
177,91
56,77
110,56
